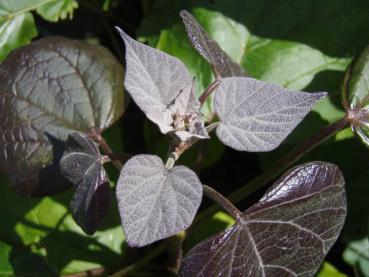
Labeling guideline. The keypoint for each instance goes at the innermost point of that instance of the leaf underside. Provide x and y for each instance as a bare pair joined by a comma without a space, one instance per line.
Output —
257,116
287,233
209,48
155,203
48,89
81,165
163,89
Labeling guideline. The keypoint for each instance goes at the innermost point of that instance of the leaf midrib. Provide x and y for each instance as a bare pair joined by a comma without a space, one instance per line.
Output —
13,14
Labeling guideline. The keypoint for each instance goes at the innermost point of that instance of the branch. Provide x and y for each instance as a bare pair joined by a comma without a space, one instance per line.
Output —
278,167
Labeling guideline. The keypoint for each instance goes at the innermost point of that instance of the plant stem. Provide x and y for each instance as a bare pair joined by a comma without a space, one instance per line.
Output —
222,201
279,166
96,136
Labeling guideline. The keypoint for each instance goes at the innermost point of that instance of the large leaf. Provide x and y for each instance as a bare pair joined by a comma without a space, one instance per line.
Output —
287,63
47,90
161,86
209,48
287,233
154,202
356,95
82,165
43,232
257,116
17,26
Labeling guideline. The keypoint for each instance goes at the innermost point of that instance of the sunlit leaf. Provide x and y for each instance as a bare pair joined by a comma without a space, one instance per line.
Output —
82,165
154,202
17,26
209,48
356,95
357,255
48,89
329,270
161,86
56,10
257,116
287,233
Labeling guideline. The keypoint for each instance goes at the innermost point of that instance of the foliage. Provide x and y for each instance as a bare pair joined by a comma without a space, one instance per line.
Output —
57,96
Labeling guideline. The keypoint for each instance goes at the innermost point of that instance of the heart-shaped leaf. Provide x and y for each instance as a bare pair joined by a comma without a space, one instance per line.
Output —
356,95
48,89
257,116
82,165
287,233
161,86
209,48
155,203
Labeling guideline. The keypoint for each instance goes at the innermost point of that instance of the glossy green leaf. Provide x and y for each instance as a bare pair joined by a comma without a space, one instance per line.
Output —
15,32
329,270
357,255
287,63
17,26
48,89
356,95
44,236
57,9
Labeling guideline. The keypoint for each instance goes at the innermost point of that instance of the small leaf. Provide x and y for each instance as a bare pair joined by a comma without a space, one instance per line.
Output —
48,89
82,165
329,270
257,116
161,86
356,94
287,233
209,48
155,203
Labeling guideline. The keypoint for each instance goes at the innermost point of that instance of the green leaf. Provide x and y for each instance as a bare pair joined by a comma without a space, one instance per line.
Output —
6,269
47,90
357,255
356,95
329,270
17,26
290,64
16,32
58,9
45,230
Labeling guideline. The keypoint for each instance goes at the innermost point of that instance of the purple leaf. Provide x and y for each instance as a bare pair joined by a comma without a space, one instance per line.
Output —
82,166
287,233
209,48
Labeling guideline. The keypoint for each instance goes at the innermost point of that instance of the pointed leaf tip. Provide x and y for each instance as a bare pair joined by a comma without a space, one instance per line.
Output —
257,116
163,89
287,233
155,203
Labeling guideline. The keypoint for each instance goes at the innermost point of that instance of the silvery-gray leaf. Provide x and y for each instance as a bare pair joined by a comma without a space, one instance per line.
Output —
155,203
257,116
161,86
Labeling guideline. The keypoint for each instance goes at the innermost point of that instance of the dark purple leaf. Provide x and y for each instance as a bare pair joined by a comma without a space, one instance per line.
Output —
82,166
287,233
48,89
209,48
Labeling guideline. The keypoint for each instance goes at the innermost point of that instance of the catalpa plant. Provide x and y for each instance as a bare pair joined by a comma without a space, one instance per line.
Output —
57,97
